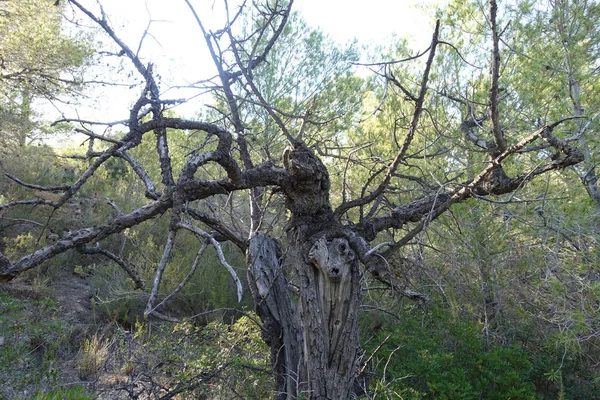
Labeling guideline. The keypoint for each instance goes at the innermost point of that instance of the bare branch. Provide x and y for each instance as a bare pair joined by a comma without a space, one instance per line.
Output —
219,227
22,221
467,128
495,75
379,268
388,63
96,136
141,173
247,75
409,137
186,279
492,180
583,129
199,232
390,77
222,155
86,235
118,260
103,23
89,122
60,188
160,270
460,55
29,202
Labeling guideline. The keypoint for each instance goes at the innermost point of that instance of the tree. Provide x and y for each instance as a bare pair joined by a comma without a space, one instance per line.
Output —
548,54
38,60
571,61
313,334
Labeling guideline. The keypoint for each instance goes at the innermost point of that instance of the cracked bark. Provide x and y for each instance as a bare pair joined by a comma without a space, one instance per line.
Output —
281,329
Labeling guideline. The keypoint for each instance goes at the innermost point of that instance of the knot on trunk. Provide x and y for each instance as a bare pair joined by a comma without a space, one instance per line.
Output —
302,164
333,259
307,188
497,182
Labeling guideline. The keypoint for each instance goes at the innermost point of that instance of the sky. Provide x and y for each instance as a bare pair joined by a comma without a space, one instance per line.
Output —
175,45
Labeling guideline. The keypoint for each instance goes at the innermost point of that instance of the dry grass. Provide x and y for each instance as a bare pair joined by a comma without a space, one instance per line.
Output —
92,356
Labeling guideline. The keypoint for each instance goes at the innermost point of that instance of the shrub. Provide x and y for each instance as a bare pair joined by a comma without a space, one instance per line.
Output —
436,355
92,355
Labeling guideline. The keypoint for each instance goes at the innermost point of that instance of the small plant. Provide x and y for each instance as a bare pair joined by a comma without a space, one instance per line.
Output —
72,393
80,271
40,285
92,355
22,243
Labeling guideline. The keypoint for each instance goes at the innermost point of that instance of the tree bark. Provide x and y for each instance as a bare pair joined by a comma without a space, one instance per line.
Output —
330,302
281,329
314,345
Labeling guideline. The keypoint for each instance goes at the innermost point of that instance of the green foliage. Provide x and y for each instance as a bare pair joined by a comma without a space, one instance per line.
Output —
210,288
519,269
306,73
507,266
21,227
38,59
23,243
238,350
506,271
92,356
199,362
67,393
33,338
435,355
33,40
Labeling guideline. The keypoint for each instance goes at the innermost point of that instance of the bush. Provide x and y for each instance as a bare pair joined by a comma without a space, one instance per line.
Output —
215,361
435,355
92,355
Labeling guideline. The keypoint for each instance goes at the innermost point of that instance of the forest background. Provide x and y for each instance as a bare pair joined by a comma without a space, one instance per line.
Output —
497,297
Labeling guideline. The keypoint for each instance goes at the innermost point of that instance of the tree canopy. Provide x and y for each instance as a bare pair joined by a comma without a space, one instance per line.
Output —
38,60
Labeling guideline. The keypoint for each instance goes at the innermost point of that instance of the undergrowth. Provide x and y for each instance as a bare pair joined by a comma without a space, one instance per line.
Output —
32,340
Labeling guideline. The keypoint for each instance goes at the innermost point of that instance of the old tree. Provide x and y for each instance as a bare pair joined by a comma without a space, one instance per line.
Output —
270,141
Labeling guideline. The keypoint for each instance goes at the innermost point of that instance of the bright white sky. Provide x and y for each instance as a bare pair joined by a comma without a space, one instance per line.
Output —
176,46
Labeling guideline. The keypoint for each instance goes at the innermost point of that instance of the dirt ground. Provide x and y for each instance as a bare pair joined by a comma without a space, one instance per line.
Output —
73,295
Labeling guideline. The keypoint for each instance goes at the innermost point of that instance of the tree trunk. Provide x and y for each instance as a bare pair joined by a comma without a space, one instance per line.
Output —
329,304
281,329
314,345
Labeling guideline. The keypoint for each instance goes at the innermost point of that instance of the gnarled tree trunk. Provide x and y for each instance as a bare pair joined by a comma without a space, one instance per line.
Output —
315,344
